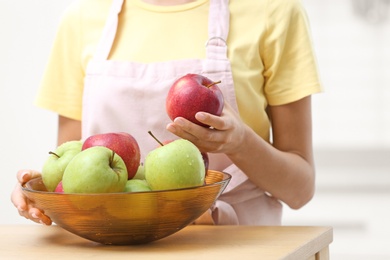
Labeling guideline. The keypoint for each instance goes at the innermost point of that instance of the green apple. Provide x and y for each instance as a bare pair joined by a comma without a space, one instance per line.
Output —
95,170
140,174
124,144
136,185
178,164
55,164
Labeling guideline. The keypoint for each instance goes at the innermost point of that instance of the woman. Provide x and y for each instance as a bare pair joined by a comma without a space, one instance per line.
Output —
112,65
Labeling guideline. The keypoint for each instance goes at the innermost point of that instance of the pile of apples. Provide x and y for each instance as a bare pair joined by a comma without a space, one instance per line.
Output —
110,162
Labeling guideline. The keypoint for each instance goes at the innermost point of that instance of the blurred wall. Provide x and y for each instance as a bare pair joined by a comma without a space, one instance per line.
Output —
27,133
352,40
351,127
352,113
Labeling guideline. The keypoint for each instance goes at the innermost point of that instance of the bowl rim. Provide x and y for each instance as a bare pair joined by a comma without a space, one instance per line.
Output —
226,178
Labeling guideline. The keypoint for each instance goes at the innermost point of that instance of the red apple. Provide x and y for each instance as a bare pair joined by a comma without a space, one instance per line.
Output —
205,157
122,144
59,188
193,93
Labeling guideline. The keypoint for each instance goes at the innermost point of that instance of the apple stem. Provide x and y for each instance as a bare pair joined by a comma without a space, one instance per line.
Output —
155,138
53,153
212,84
112,158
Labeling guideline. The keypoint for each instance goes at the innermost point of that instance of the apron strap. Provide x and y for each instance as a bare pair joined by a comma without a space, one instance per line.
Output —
219,18
109,31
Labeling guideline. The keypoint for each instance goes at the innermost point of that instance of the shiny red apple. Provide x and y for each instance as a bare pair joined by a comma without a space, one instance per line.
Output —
122,144
193,93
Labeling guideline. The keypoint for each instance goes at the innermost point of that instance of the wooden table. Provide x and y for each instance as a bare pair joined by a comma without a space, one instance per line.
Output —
193,242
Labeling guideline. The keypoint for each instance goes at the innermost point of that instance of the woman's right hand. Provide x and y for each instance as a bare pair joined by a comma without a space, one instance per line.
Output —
22,203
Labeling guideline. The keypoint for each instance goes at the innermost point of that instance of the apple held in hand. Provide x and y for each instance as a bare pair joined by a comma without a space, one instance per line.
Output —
121,143
55,164
178,164
95,170
193,93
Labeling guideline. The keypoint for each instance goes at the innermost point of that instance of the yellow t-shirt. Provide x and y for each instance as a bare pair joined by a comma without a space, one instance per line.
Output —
269,47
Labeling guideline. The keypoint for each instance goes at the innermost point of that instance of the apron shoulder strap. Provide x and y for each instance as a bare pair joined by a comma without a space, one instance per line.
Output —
219,19
109,31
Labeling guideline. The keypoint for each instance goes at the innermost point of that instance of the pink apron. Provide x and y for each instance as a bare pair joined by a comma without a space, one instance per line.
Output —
130,97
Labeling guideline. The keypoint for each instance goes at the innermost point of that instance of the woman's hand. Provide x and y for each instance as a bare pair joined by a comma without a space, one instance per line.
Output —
22,203
225,135
283,168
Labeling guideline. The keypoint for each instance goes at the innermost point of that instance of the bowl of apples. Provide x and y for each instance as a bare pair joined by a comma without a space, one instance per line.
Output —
87,190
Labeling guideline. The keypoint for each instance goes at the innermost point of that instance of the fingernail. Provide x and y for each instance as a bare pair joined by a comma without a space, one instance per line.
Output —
200,116
179,121
170,127
24,176
34,215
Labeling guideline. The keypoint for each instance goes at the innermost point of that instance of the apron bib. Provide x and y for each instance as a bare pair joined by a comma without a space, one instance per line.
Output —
130,97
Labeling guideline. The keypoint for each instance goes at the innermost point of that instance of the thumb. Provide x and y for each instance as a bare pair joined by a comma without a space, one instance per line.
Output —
25,175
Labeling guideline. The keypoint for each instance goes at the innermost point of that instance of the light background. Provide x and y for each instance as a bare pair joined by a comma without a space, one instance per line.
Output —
351,117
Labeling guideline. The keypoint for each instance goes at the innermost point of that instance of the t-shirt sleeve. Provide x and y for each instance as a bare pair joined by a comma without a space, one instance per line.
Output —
290,65
62,83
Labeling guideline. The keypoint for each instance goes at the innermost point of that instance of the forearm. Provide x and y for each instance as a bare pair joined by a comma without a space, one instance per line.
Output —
285,169
68,129
285,174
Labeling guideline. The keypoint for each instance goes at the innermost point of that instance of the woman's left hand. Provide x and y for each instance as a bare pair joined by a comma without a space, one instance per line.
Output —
224,136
